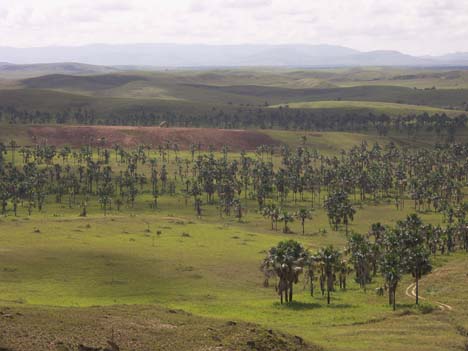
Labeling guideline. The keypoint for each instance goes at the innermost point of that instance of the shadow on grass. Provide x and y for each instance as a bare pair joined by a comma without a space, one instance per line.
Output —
339,305
302,306
401,306
298,306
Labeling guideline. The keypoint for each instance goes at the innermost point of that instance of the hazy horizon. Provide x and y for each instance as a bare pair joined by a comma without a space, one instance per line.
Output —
227,45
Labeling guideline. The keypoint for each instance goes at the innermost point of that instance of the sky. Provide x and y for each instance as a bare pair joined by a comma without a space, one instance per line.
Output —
417,27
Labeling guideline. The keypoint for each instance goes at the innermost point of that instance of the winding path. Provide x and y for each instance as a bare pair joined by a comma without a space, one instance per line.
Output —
411,292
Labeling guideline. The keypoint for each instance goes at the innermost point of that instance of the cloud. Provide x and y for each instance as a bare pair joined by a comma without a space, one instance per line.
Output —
112,6
247,4
197,6
413,26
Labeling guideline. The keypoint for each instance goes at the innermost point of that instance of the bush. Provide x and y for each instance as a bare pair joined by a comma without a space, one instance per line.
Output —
425,308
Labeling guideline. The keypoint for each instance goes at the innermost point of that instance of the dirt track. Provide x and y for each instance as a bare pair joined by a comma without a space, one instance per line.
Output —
411,292
131,136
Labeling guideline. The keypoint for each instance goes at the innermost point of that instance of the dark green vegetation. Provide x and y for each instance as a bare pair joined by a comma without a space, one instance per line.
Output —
346,99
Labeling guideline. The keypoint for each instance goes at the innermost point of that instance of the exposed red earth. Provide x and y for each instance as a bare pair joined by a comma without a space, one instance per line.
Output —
131,136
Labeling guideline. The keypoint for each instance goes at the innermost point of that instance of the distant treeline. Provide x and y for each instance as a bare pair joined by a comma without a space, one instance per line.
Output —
249,117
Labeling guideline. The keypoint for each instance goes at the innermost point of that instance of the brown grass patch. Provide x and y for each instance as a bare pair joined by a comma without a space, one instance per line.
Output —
128,136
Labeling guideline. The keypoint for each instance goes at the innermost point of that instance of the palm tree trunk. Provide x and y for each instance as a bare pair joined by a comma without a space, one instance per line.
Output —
417,288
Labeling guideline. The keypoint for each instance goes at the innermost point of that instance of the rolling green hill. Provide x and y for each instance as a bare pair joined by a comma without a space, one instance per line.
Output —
230,98
389,108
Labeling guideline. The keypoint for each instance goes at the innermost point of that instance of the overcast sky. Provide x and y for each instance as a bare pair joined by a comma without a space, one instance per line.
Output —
412,26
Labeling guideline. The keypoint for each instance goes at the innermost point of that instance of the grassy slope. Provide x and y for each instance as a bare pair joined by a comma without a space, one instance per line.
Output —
135,328
56,258
292,78
107,261
188,91
330,143
59,101
68,261
389,108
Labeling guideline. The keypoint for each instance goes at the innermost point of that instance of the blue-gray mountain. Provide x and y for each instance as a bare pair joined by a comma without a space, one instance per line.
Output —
180,55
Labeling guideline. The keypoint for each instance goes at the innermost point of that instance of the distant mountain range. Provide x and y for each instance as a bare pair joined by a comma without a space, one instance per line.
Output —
180,55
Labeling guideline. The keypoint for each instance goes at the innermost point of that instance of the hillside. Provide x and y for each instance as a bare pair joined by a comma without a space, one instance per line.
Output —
86,83
133,328
388,108
234,98
18,71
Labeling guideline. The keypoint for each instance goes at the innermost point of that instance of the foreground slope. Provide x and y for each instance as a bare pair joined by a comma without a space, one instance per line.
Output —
133,328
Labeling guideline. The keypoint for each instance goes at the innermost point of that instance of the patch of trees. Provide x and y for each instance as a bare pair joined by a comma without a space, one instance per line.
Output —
281,183
388,251
247,117
287,190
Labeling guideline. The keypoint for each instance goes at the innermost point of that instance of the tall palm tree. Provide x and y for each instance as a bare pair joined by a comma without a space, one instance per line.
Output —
303,214
286,218
273,212
330,258
286,262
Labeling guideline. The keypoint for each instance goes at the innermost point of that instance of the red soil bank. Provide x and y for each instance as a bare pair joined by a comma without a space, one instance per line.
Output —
76,136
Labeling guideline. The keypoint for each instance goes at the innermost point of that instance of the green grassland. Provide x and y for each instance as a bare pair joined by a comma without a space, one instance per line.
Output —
331,143
57,263
209,267
188,91
388,108
58,259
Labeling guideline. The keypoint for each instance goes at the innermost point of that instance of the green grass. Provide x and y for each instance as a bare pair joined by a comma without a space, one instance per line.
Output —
59,259
392,109
327,143
331,143
192,91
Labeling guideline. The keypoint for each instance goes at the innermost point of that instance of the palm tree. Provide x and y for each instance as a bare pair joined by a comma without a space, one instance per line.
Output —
392,265
198,207
237,205
414,249
330,258
286,218
286,262
339,209
347,214
361,253
273,212
303,214
13,146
